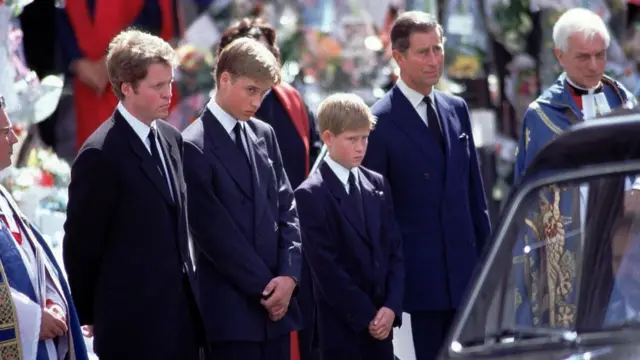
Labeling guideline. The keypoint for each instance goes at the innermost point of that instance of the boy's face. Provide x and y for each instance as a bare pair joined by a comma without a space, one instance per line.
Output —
347,148
241,96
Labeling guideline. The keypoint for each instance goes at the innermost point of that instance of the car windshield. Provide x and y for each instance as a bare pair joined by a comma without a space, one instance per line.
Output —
574,263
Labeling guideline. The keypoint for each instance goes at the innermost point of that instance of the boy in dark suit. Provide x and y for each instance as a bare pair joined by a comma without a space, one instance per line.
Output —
242,213
351,240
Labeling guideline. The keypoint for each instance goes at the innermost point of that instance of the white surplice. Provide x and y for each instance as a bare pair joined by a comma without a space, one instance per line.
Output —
45,284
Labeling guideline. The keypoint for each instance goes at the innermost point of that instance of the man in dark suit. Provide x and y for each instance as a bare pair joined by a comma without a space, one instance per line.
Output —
126,245
424,146
242,213
351,240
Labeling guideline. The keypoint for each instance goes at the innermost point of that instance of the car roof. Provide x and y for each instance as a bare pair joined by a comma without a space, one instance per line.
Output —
611,138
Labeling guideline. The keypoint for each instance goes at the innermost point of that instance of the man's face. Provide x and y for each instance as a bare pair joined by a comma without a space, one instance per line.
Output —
584,60
349,147
241,96
151,98
422,64
7,140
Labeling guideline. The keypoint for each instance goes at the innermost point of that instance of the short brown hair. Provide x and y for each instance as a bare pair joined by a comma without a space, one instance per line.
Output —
411,22
131,53
342,112
254,28
246,57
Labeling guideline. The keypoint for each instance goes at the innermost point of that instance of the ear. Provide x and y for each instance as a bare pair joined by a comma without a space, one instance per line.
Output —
398,57
559,54
225,78
327,138
127,89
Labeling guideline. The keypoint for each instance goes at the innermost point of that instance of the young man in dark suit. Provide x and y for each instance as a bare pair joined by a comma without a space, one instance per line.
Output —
126,245
242,213
351,240
294,125
424,146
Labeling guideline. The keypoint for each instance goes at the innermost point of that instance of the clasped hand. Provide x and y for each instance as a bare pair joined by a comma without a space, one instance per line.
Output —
53,324
380,327
277,295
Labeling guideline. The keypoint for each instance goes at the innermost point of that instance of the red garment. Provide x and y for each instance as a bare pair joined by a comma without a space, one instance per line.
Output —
577,98
93,36
291,100
16,235
294,105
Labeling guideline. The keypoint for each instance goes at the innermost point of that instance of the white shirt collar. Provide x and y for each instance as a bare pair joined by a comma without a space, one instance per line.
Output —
414,97
140,128
591,90
228,122
342,172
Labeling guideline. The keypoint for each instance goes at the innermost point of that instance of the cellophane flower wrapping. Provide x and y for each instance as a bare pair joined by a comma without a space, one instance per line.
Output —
41,183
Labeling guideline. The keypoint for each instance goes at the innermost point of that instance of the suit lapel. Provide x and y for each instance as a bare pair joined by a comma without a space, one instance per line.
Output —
447,116
147,164
225,150
408,120
261,167
371,200
337,188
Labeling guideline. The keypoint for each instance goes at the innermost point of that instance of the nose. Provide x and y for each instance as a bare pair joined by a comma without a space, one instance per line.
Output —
593,63
168,92
14,137
431,58
256,101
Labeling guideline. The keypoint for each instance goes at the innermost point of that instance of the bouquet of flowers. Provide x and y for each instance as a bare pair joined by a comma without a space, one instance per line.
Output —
42,183
194,82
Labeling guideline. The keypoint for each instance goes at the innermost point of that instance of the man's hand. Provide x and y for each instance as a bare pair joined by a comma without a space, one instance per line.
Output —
87,331
277,295
92,73
52,325
380,327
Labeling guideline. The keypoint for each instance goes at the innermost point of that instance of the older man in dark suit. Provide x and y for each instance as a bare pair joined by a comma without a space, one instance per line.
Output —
126,245
242,213
424,146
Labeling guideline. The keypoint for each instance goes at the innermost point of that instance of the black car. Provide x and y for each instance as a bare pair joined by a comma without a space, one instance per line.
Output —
561,278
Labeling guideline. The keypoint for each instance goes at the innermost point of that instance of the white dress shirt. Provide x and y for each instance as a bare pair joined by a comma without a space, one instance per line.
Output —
227,121
416,99
143,130
343,173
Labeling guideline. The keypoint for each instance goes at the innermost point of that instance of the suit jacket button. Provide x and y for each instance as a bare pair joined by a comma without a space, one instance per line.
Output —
426,176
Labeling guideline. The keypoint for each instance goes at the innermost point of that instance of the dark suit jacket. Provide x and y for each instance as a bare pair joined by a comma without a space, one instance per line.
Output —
126,248
356,268
438,198
245,226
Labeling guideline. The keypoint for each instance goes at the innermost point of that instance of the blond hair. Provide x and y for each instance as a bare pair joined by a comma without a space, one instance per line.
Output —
131,53
342,112
246,57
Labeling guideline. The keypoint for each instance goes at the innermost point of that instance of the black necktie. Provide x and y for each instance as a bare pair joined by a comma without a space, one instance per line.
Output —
432,122
155,154
355,196
238,130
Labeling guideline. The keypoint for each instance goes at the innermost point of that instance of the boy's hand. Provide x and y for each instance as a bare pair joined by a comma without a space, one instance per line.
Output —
380,327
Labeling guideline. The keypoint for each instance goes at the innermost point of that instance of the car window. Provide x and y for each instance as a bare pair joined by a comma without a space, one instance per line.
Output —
574,262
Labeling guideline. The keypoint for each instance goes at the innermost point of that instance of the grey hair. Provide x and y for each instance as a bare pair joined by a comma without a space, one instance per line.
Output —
579,21
3,104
